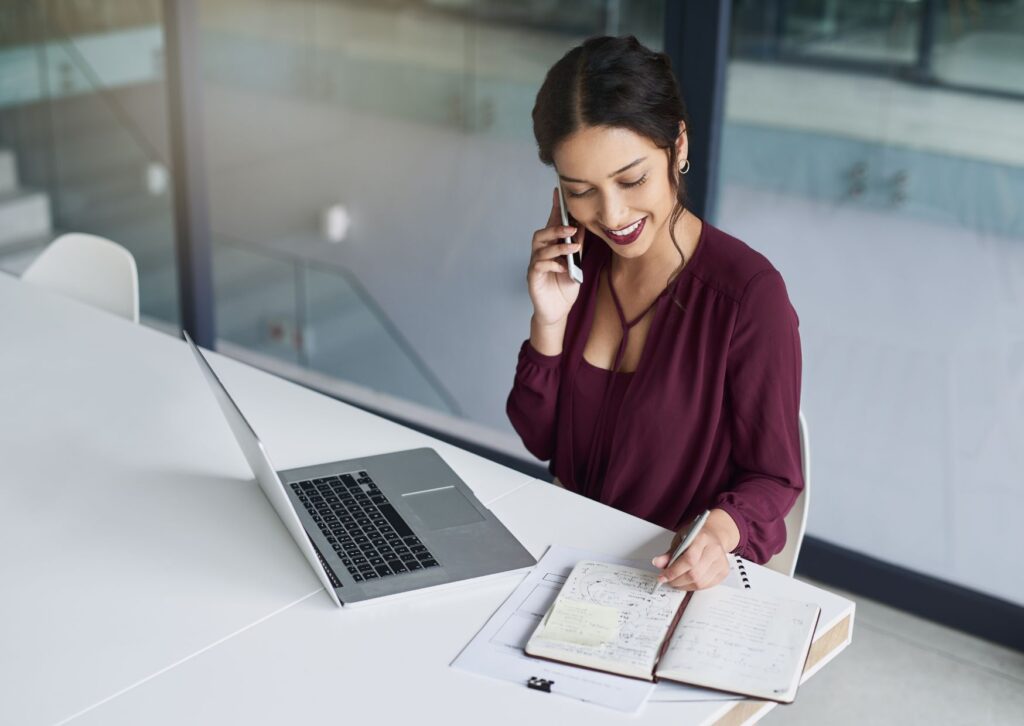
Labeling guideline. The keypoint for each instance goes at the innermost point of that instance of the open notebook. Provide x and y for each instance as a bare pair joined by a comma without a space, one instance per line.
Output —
608,618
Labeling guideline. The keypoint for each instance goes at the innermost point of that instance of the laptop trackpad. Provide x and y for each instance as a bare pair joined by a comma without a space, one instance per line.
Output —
442,508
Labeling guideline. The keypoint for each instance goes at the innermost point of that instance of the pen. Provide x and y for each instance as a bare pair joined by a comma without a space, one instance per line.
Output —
687,541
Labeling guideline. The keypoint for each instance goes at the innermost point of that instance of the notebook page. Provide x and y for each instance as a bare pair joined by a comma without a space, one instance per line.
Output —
735,640
583,634
583,623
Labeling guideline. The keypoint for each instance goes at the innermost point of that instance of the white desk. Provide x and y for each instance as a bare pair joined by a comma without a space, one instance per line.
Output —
146,579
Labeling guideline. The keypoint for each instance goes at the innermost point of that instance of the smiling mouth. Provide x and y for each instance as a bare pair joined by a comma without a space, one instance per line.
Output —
626,234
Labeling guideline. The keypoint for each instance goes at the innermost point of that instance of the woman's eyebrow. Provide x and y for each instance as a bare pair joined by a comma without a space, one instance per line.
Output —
614,173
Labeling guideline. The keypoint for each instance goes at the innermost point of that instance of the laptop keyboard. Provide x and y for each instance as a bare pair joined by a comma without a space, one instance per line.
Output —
369,537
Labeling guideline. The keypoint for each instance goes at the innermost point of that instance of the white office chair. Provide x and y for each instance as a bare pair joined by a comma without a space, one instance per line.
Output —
91,269
796,520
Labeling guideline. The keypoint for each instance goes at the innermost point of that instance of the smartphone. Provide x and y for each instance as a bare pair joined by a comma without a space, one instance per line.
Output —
574,259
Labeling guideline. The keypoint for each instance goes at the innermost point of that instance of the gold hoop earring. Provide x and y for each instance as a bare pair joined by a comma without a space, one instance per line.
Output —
685,167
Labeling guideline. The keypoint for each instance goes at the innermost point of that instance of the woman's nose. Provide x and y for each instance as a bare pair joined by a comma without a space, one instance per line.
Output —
613,214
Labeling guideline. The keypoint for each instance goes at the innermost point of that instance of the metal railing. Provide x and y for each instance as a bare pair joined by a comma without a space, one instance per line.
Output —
304,322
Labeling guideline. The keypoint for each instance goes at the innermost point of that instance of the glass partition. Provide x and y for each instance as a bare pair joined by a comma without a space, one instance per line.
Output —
980,44
976,45
317,316
870,30
392,141
891,207
82,123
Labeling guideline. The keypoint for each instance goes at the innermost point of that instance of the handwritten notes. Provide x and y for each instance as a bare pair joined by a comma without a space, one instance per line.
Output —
642,623
736,640
582,623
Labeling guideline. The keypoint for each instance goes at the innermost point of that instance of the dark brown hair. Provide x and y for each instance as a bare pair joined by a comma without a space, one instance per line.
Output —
614,82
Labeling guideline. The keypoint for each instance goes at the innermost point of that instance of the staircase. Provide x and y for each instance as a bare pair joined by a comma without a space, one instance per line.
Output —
25,222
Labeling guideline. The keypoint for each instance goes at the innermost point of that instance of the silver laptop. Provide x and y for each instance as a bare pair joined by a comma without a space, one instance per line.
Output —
378,526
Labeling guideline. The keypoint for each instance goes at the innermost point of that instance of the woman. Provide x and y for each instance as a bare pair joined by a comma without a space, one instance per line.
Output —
668,382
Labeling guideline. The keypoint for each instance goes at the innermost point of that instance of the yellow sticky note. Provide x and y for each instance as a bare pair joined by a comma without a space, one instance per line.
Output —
581,623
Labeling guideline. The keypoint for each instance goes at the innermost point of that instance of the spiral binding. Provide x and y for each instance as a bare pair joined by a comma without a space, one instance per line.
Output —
743,573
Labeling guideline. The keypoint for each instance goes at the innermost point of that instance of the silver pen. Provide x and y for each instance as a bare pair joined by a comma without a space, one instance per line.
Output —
695,528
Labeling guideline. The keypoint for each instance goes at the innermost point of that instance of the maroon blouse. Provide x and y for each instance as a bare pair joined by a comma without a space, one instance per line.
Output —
709,419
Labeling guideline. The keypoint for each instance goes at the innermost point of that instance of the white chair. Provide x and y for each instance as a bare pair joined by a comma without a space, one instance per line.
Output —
796,520
91,269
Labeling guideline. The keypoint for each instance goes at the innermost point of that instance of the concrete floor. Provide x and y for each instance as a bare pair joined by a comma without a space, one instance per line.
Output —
902,670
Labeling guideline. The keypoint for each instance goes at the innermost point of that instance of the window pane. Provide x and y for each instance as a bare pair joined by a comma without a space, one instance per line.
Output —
892,210
83,132
981,44
407,126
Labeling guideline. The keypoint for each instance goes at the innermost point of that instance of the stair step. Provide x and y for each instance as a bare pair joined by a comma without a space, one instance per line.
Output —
8,171
23,214
16,257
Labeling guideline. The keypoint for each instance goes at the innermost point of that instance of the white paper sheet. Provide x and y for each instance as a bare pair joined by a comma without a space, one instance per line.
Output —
734,638
497,650
671,691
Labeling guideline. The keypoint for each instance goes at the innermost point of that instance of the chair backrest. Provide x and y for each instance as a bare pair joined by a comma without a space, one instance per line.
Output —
91,269
796,520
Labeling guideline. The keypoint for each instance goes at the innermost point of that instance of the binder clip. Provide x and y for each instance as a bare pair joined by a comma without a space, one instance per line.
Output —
540,684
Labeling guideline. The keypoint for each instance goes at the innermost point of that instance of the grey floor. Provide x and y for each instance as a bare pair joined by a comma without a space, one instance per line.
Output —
904,670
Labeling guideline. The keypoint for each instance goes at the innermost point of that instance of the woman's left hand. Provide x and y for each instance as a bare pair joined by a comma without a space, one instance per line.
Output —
704,563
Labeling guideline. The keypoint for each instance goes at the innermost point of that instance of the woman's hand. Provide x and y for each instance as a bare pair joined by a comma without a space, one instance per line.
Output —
705,563
552,290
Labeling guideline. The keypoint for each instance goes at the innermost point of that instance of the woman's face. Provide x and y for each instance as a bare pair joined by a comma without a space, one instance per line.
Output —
616,183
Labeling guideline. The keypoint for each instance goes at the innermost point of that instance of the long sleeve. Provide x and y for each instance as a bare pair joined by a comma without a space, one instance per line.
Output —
532,404
763,394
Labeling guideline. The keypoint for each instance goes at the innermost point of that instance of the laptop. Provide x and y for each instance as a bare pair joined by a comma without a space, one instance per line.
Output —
380,526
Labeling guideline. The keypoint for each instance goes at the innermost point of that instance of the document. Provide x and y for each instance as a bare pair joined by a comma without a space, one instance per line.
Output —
497,650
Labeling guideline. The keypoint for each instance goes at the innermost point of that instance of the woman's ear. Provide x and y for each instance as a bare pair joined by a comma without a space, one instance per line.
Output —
682,144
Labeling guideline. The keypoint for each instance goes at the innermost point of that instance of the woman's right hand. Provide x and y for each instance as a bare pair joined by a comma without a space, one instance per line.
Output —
552,290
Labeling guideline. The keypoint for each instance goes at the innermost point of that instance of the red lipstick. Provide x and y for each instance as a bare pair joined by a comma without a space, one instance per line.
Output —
626,239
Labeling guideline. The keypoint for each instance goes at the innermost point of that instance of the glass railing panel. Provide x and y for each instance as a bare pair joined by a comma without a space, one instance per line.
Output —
258,301
349,337
319,317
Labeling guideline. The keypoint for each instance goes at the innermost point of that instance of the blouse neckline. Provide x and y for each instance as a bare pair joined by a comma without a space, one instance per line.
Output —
586,323
587,364
657,305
